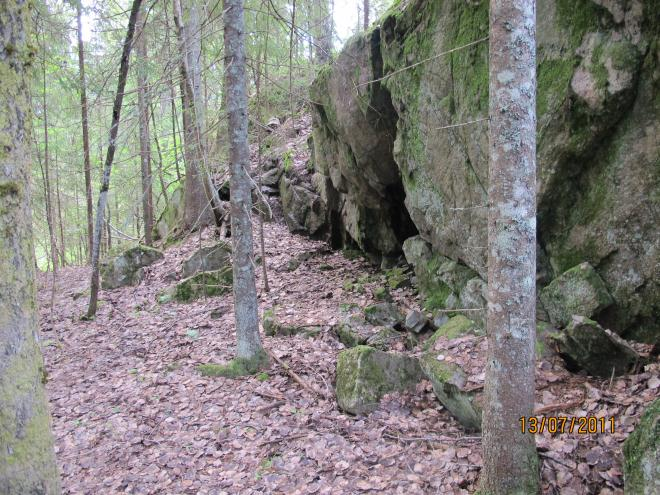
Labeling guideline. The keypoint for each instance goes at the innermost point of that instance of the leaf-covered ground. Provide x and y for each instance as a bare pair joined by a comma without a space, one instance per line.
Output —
132,415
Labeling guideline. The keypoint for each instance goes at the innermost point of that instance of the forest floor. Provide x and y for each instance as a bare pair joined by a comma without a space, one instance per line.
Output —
132,415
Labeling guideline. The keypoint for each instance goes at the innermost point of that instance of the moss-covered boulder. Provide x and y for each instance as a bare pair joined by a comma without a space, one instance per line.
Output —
578,291
275,328
170,222
365,374
641,454
384,314
207,259
585,344
202,284
449,381
126,269
455,327
376,144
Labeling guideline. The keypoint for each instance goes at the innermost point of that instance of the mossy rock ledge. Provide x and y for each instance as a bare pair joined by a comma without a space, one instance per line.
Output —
449,380
207,259
365,375
641,452
126,269
202,284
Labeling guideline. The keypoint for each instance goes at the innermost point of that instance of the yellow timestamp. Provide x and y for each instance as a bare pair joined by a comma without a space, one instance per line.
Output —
563,424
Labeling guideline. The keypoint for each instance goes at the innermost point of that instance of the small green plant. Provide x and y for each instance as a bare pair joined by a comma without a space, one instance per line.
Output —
263,377
192,334
287,160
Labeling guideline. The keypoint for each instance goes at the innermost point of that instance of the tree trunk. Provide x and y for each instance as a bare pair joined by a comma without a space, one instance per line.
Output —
195,211
365,14
245,292
324,21
291,40
60,223
145,138
85,132
193,123
107,168
510,459
47,188
27,458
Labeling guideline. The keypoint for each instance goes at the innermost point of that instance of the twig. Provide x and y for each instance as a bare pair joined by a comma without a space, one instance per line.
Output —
297,378
281,439
462,123
558,406
270,406
431,438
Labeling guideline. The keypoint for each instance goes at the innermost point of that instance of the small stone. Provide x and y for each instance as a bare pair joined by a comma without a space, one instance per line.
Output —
384,314
416,321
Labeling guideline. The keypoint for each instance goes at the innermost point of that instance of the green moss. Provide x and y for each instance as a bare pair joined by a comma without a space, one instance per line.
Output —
397,277
553,81
454,328
436,296
579,17
236,367
381,294
207,284
640,452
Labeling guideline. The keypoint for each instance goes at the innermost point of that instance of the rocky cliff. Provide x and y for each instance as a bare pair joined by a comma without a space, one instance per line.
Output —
392,158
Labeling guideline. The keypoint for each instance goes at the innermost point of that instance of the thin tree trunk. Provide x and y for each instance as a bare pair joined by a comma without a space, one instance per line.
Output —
145,138
510,459
262,242
365,14
245,292
85,132
60,223
27,458
161,179
49,201
291,40
107,169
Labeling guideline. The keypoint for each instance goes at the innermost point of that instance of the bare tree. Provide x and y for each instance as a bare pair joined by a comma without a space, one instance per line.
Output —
249,348
85,132
510,458
107,168
145,137
27,458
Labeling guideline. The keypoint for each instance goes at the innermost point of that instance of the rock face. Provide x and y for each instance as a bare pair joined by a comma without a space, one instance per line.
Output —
641,466
387,167
365,374
170,221
207,259
599,351
126,269
578,291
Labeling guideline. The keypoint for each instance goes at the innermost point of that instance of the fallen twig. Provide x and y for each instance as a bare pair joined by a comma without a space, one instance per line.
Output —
297,378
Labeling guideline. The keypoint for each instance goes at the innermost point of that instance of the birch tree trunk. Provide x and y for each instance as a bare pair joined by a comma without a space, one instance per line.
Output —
85,133
245,292
145,138
27,459
107,168
510,458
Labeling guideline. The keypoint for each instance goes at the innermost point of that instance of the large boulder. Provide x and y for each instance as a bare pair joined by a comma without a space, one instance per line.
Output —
207,259
641,454
384,314
453,328
126,269
170,222
387,166
578,291
353,330
365,375
601,352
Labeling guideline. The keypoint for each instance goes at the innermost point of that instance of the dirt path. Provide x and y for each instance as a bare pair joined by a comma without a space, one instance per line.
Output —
131,414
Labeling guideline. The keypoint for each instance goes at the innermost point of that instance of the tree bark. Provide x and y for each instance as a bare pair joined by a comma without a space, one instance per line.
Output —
85,133
365,14
323,42
245,292
27,458
107,168
510,458
145,137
